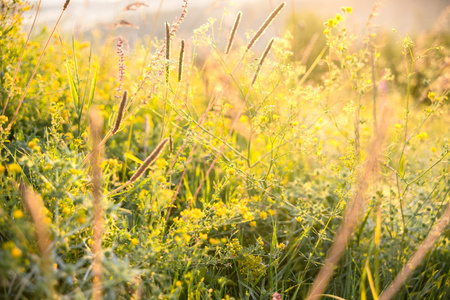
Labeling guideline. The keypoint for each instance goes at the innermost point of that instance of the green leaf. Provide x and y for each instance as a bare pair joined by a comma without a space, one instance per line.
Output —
401,166
73,88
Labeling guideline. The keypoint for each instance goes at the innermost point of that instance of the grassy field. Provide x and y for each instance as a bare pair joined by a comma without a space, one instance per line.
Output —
206,169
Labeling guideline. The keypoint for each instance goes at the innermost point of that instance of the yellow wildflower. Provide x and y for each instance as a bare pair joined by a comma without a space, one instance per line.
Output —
214,241
263,215
14,168
16,252
431,95
331,23
17,214
134,241
186,237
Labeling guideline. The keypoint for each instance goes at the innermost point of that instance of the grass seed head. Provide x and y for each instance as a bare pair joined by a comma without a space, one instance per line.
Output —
266,24
120,112
237,21
180,61
149,160
261,60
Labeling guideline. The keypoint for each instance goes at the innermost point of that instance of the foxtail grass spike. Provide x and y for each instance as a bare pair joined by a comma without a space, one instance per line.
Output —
261,60
66,4
120,112
180,61
266,24
149,160
237,21
167,50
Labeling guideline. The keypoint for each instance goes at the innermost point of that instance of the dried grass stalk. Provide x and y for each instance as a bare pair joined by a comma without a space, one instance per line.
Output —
36,209
120,112
261,60
350,220
237,21
181,61
266,24
418,257
96,123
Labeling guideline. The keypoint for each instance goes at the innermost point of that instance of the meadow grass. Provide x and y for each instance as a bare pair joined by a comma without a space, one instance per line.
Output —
317,168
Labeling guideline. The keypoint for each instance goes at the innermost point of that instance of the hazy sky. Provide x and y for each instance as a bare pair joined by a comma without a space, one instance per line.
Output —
405,15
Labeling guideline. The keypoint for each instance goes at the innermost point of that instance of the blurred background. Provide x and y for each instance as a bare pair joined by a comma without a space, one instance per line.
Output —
407,16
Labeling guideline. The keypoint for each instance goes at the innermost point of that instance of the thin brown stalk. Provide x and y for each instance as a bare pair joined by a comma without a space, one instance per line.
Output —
181,61
418,257
236,23
261,60
350,220
37,65
120,112
147,163
96,124
21,58
35,207
266,24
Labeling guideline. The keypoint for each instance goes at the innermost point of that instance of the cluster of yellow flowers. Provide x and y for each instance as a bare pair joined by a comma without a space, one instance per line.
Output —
331,23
